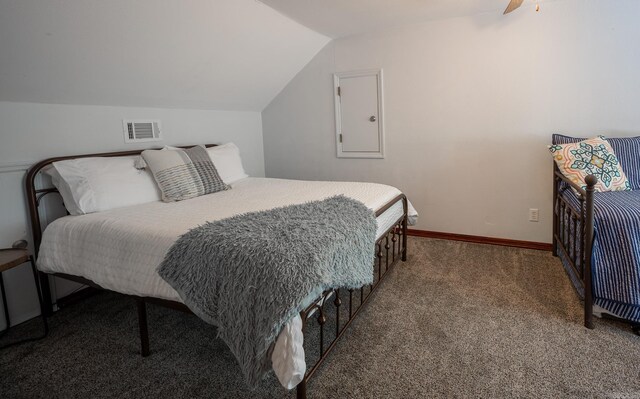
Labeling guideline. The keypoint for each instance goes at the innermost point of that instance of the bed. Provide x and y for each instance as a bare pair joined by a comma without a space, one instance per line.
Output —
596,236
119,249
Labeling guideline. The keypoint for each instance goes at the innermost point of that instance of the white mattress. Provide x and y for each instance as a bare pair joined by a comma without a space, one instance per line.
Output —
121,248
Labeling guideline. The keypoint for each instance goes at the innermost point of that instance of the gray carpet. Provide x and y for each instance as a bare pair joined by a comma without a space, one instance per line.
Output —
456,320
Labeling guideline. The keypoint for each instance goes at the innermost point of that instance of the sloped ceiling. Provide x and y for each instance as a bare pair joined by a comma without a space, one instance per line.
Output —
206,54
339,18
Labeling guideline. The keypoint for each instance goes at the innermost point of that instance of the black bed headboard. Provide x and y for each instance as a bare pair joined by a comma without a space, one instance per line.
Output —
34,195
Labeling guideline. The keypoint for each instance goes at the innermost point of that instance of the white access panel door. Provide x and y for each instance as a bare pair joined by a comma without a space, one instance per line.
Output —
359,129
359,110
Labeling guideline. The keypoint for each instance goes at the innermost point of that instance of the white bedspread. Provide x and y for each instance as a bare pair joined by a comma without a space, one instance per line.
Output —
120,249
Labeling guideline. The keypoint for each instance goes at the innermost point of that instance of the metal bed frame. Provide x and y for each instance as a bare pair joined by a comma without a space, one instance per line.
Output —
573,234
389,249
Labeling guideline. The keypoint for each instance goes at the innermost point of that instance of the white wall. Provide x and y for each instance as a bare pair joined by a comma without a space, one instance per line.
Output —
32,132
470,105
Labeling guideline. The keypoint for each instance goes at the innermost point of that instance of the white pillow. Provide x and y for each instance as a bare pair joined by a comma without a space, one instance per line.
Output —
228,163
63,189
98,184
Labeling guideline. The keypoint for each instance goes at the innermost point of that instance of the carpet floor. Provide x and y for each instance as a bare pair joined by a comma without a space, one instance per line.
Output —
456,320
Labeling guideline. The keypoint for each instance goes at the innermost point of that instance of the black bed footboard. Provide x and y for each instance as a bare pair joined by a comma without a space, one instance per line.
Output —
573,233
327,319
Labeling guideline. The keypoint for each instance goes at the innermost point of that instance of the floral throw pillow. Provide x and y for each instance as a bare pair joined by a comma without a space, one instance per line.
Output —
591,157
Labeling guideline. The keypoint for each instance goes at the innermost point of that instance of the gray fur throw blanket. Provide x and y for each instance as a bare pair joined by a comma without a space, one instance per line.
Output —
251,273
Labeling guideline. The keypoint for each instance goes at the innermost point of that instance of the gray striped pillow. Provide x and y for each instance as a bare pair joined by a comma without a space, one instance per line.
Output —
183,174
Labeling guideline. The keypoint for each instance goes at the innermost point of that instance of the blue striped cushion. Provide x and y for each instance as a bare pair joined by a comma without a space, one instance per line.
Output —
627,151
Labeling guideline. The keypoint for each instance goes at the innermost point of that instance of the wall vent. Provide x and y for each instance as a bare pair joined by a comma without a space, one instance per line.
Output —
141,130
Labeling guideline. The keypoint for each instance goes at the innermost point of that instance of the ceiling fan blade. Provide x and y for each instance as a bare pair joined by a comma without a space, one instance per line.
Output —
513,4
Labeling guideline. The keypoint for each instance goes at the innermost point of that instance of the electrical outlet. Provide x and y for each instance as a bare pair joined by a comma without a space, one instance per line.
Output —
534,215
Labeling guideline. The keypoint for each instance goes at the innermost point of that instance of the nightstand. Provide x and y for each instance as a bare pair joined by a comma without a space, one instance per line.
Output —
10,258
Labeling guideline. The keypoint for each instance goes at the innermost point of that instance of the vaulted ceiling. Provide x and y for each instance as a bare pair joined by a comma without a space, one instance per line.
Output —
338,18
207,54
